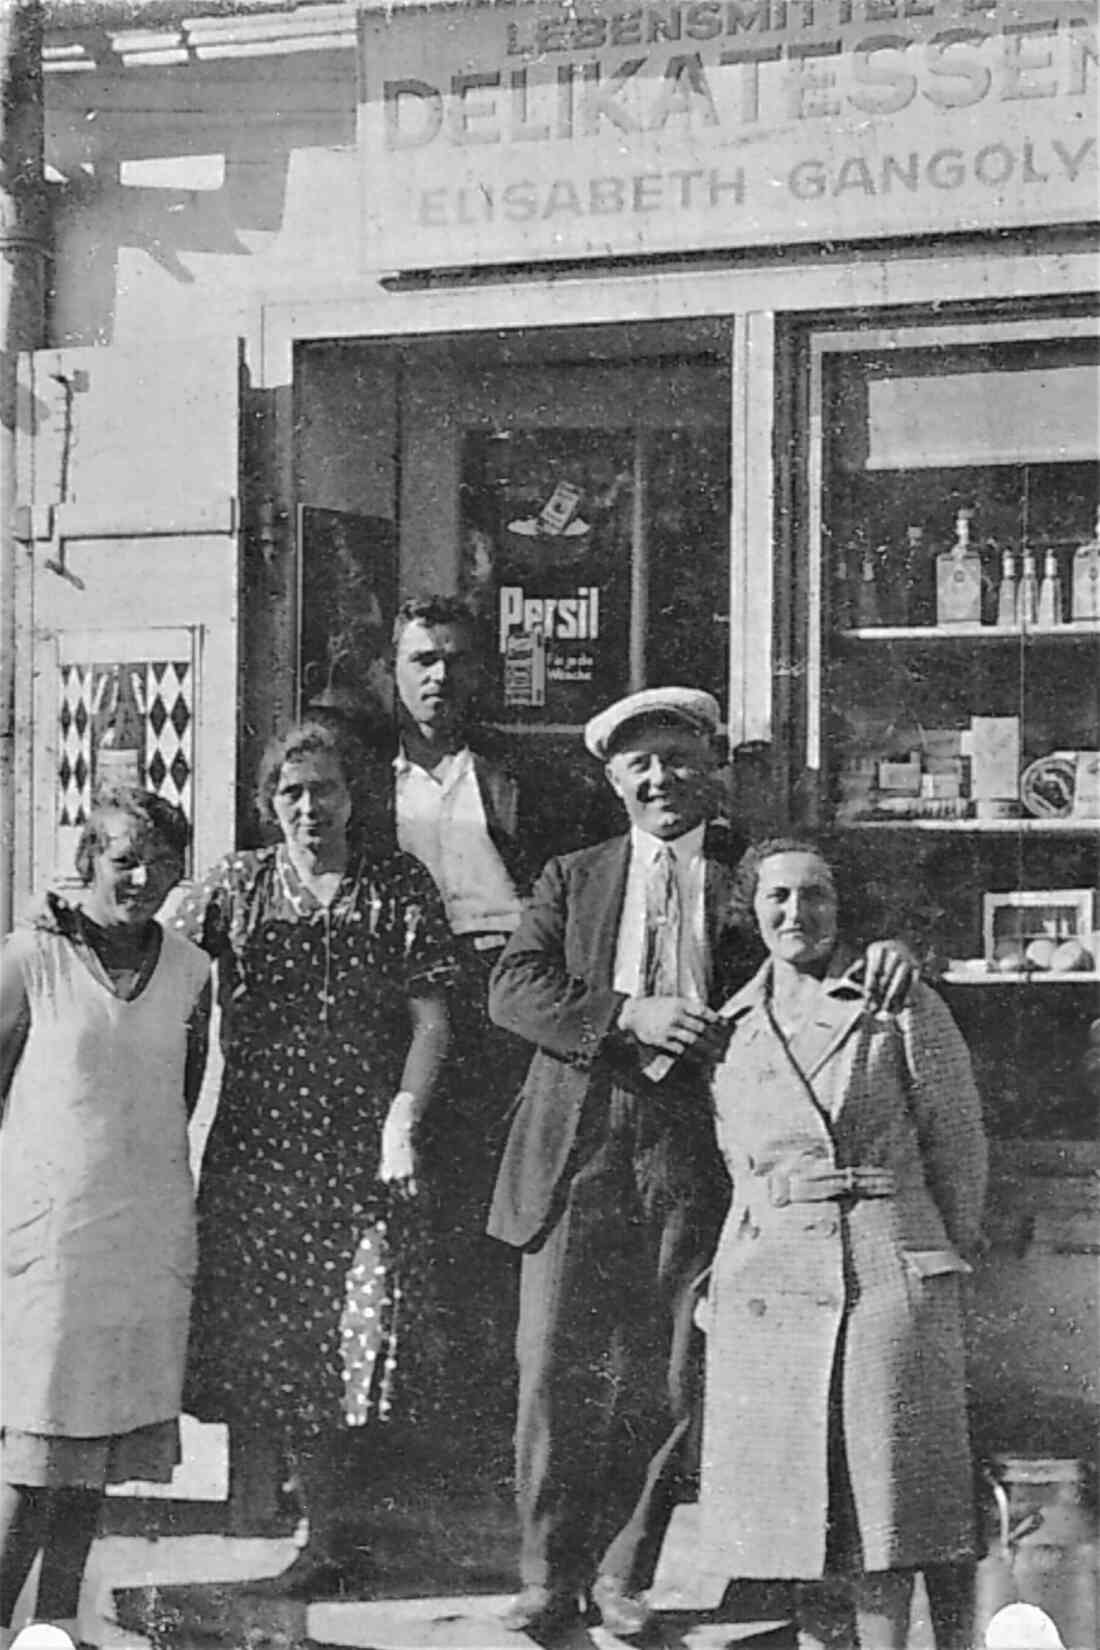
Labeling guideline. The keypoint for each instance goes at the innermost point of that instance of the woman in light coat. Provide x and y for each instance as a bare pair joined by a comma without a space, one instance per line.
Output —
836,1446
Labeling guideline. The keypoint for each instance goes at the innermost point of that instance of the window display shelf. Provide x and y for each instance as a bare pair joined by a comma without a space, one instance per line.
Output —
980,827
1033,976
1072,630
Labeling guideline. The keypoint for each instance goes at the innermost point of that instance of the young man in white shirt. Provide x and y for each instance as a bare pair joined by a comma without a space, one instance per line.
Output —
457,811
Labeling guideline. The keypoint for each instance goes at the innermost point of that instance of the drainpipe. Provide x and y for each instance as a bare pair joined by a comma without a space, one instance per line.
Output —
23,255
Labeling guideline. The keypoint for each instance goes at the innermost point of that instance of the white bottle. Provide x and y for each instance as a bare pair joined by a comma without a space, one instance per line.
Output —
868,612
1086,578
1050,593
1027,593
1006,594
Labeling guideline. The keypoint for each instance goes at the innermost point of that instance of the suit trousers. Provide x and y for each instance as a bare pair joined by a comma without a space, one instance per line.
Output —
609,1356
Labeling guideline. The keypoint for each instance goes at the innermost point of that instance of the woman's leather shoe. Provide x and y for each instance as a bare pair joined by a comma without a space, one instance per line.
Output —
625,1615
540,1610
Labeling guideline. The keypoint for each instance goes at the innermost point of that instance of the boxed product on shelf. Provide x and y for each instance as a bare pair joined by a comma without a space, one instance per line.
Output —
941,745
1086,785
1032,928
993,746
941,787
900,778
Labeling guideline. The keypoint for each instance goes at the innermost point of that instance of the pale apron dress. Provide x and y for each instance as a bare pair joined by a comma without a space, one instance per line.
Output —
98,1219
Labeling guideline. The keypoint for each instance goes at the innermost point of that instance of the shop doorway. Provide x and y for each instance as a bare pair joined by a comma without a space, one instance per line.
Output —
573,484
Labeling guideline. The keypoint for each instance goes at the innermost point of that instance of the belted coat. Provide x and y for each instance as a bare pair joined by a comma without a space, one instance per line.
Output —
829,1311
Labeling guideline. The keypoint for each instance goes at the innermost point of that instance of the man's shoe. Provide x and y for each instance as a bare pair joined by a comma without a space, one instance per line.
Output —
311,1575
539,1610
625,1615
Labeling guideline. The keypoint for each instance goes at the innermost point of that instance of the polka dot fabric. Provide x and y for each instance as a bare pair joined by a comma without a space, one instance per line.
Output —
295,1319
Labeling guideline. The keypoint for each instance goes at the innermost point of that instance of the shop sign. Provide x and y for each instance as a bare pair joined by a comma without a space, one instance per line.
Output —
511,132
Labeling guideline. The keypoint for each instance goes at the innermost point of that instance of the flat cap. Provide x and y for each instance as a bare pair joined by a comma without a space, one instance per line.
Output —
696,709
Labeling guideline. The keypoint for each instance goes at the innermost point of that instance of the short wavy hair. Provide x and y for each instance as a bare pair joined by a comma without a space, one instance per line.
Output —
359,751
155,814
746,877
435,609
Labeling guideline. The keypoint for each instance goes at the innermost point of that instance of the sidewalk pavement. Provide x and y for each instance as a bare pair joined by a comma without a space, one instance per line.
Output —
191,1593
188,1592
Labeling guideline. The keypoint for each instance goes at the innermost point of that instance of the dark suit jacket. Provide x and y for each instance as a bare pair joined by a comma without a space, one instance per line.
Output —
503,804
553,987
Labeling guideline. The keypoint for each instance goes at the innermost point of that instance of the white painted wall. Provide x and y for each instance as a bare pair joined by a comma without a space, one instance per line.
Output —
134,262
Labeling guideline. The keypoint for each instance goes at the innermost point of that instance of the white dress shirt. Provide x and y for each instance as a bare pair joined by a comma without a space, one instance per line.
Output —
441,820
690,868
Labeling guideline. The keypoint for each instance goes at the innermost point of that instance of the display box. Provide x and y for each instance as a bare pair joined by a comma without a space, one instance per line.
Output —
993,746
900,778
1012,922
1086,789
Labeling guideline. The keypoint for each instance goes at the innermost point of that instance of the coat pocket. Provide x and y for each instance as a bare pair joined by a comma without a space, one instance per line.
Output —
933,1263
932,1278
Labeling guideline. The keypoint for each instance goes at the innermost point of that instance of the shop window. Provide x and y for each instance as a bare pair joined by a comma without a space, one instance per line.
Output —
954,684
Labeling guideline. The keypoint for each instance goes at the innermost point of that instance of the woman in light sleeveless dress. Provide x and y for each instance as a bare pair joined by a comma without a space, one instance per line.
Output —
102,1044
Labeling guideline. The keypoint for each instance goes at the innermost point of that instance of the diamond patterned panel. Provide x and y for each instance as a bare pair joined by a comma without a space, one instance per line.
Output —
169,732
74,775
168,700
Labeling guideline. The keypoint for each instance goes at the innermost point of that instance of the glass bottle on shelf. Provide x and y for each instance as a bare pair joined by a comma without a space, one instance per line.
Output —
1050,592
1006,594
1086,578
1027,592
959,579
868,612
842,587
911,603
120,746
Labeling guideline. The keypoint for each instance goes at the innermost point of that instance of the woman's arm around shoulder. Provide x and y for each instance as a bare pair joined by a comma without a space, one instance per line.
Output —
947,1111
15,1015
205,914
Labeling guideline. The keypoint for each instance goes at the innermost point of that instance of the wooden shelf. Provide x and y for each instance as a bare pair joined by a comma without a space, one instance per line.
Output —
980,827
1075,629
1031,976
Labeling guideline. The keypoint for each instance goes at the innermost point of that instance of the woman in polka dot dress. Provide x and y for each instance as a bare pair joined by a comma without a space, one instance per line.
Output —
332,968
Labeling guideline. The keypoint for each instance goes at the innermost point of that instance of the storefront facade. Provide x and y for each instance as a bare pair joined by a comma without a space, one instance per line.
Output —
675,336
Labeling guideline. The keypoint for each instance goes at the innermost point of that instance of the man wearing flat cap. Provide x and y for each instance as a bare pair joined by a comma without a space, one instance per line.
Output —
610,1183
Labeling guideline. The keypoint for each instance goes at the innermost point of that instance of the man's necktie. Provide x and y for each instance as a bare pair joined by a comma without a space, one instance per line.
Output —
662,927
661,962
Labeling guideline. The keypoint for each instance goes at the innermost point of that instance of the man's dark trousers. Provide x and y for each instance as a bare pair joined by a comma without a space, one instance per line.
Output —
609,1358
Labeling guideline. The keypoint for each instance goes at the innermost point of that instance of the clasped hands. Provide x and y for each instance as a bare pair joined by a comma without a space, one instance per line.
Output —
679,1026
